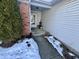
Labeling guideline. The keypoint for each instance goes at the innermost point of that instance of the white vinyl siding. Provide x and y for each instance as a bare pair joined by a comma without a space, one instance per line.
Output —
64,23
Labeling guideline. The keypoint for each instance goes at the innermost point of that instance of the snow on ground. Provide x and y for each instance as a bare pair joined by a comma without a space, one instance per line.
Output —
56,44
27,49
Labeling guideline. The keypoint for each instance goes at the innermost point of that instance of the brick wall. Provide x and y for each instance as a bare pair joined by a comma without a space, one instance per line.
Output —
24,11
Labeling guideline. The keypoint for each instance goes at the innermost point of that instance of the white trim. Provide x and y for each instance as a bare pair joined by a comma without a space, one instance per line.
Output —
30,17
40,5
41,1
24,1
48,1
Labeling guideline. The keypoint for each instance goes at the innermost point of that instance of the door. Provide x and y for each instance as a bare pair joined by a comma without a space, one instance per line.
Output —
33,20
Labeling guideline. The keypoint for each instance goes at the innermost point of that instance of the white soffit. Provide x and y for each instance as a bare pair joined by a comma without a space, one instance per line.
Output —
44,3
46,0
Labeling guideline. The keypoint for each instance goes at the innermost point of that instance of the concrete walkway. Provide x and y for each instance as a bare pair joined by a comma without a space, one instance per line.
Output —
46,49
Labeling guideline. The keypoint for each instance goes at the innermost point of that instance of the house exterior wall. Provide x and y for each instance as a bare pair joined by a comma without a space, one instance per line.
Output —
48,16
62,21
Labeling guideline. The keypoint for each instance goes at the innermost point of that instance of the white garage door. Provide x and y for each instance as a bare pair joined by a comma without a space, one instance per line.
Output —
66,24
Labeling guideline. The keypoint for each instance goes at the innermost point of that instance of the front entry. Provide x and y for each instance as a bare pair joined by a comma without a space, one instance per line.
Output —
33,20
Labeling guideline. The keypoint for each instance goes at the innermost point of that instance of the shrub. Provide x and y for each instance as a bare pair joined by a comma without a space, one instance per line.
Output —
10,20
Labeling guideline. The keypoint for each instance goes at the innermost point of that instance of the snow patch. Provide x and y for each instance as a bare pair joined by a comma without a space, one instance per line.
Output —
28,49
0,42
56,44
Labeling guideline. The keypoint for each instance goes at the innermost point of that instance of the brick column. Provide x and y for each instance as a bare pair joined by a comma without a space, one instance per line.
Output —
24,11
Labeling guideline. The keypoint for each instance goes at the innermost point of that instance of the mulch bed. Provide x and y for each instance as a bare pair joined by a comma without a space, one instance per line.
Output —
10,43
